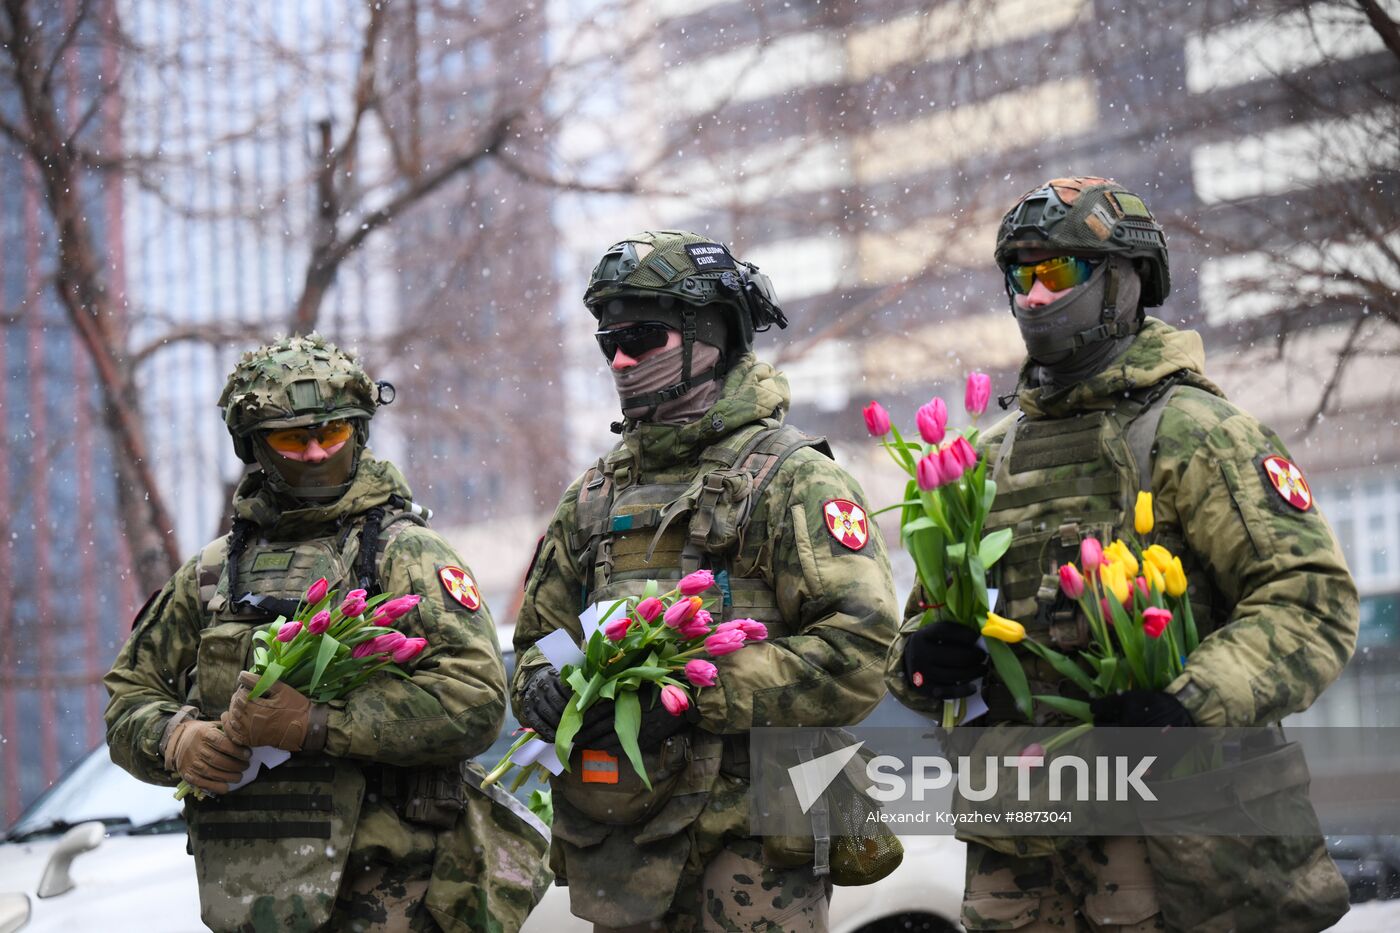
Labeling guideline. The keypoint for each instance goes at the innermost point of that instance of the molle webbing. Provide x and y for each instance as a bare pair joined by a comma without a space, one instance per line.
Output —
303,790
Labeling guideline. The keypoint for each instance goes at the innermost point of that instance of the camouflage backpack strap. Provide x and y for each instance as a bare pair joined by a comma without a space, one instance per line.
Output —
587,539
1141,432
380,527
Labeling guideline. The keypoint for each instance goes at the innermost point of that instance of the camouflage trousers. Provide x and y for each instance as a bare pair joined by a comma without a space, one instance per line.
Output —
739,894
1094,885
385,884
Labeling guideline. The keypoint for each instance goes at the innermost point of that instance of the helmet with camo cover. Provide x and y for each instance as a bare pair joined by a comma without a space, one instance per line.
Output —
689,282
1087,216
298,382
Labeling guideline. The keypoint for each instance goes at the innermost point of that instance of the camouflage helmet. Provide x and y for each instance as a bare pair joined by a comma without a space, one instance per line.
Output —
684,275
1087,216
295,382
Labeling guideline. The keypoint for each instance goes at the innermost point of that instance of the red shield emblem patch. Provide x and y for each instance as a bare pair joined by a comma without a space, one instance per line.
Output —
1288,482
460,586
847,523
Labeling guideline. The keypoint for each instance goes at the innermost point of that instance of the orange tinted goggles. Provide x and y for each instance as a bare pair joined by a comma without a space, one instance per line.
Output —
296,440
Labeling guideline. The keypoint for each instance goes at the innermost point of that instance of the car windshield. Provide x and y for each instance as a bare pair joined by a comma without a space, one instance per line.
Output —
99,790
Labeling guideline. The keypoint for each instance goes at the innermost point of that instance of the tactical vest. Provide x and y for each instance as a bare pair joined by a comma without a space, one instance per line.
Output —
1060,480
251,846
630,530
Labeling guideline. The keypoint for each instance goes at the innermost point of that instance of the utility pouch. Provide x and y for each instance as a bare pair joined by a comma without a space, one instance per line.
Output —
721,507
1244,883
433,796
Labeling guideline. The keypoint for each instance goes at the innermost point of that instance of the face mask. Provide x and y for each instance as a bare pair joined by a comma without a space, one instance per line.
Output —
660,372
1049,332
319,482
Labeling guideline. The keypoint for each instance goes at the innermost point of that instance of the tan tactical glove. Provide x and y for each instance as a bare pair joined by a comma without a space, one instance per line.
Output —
281,717
201,754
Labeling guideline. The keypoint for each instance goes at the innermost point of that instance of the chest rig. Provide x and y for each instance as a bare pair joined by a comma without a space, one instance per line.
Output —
633,528
251,845
1059,481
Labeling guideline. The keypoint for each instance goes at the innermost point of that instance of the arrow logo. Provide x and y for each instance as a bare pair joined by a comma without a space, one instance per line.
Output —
811,778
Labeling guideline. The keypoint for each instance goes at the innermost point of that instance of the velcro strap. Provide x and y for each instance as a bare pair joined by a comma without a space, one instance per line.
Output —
241,803
279,829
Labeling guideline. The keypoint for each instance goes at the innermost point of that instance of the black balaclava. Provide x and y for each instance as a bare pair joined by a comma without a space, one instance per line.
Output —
1079,334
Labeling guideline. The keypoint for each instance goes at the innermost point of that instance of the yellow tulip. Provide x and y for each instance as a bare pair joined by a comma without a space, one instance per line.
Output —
1155,578
1176,578
1158,557
1119,553
1142,513
1003,629
1115,579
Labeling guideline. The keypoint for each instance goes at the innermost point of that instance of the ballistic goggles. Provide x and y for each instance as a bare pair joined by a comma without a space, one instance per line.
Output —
296,440
1056,274
634,339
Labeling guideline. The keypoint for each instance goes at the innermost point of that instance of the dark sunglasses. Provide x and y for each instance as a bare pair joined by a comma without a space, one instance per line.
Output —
634,339
1056,274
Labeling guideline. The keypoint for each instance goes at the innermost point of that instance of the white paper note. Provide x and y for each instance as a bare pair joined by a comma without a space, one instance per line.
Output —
559,649
263,755
538,751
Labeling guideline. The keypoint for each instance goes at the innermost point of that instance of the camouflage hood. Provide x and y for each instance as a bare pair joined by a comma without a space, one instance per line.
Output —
1159,351
752,391
374,483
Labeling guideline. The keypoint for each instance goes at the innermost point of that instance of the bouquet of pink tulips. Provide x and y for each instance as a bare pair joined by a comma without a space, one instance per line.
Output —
327,651
651,639
945,507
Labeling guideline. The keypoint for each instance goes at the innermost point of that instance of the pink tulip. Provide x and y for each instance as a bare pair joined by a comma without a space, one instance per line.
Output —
1030,754
363,650
1143,588
353,605
977,394
317,591
288,631
722,643
701,672
695,627
649,608
319,622
1090,554
965,452
681,610
674,699
753,630
617,628
388,642
357,594
928,474
1155,621
950,465
1107,612
697,582
410,649
1071,583
877,420
932,420
402,606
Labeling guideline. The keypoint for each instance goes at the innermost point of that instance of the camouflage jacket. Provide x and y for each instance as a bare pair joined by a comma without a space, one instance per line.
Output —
1287,606
839,602
450,709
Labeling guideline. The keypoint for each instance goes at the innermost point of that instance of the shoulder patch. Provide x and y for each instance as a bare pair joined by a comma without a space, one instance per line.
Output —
847,523
1287,481
460,586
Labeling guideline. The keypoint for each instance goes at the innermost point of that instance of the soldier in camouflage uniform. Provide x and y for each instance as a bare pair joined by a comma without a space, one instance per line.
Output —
706,476
374,823
1112,402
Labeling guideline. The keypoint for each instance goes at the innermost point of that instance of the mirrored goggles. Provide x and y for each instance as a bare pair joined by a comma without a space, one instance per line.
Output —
634,339
1056,274
296,440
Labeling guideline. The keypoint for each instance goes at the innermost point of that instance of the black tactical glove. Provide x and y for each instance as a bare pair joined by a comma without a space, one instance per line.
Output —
942,660
656,727
542,702
1140,708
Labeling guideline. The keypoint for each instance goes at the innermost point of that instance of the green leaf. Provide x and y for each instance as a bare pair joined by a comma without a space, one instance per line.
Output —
994,546
261,636
918,524
329,646
926,547
989,493
1065,666
627,722
651,589
890,508
1011,673
955,553
269,677
577,680
977,578
1076,708
568,728
609,689
590,691
542,805
1131,639
259,659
